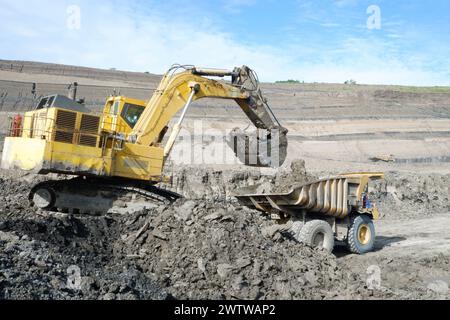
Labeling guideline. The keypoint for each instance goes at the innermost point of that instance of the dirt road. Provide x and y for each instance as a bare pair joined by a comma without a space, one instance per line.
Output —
412,258
423,237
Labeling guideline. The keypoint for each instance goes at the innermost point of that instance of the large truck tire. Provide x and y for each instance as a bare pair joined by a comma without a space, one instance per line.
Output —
317,233
361,235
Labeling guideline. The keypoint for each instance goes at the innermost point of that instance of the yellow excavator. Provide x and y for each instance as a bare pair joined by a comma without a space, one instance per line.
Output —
124,148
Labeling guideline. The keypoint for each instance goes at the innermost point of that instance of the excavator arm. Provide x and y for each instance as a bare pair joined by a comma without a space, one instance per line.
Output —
177,90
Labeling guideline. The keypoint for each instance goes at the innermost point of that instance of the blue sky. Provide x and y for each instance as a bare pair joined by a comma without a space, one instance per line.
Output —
312,41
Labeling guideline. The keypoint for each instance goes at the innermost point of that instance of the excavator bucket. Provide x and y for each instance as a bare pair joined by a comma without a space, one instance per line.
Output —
261,148
267,146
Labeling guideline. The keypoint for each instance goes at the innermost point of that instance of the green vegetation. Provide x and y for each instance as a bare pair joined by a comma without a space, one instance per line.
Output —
290,81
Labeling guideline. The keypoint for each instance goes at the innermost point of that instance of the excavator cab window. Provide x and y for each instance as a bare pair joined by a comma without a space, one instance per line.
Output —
131,113
115,108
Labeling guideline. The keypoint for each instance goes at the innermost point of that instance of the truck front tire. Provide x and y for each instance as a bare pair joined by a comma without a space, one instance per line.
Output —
361,235
317,233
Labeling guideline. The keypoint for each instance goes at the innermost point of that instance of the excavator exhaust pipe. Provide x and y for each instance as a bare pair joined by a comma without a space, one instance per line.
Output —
263,148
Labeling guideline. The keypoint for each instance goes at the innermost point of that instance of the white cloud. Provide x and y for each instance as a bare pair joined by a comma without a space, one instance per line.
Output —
113,34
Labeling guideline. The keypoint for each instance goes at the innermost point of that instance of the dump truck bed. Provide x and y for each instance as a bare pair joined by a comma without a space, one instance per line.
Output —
336,197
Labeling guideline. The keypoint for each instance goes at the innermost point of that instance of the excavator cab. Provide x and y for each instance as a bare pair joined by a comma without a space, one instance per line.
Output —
121,114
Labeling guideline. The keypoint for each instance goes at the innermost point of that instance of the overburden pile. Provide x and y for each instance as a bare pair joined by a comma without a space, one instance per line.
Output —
204,246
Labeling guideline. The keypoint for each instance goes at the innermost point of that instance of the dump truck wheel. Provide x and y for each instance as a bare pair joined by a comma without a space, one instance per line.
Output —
317,233
361,235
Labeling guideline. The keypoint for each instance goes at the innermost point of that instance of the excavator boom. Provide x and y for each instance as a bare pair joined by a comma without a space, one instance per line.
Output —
177,90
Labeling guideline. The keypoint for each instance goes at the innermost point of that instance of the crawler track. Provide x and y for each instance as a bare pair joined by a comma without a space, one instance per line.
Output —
92,196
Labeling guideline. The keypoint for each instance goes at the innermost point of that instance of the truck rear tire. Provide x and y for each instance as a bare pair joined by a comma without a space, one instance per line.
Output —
317,233
361,235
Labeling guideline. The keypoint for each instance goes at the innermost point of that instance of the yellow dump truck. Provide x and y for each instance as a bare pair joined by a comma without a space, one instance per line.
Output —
323,211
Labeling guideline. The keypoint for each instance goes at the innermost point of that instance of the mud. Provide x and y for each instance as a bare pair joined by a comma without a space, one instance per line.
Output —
206,246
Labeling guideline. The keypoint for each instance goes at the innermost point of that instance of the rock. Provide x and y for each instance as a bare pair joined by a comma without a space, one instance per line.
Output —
228,218
114,288
242,263
185,211
439,287
40,261
87,284
201,265
8,237
238,283
311,278
301,281
24,255
160,235
296,264
214,216
283,289
257,282
109,296
127,297
58,284
120,204
273,230
298,167
224,270
254,293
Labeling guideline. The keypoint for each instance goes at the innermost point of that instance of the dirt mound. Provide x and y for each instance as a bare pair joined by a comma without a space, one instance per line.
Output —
403,195
211,250
41,258
192,249
205,247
